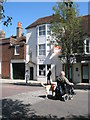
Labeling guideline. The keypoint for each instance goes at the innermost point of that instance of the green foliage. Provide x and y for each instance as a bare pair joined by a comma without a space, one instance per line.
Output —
67,28
6,20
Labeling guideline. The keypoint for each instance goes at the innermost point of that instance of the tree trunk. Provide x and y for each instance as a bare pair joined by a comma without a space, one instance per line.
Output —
68,67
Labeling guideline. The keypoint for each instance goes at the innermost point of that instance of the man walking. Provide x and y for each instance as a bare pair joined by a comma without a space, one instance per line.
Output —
48,77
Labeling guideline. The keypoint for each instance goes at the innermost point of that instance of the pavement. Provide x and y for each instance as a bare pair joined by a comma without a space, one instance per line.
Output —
85,86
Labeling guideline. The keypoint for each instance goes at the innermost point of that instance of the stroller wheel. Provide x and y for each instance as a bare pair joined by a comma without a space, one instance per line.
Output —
70,97
65,97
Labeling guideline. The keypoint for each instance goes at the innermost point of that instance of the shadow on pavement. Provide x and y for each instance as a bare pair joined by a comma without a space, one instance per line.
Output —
16,110
49,97
24,84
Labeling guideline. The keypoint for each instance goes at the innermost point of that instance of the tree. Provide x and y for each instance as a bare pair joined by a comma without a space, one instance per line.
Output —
66,27
3,19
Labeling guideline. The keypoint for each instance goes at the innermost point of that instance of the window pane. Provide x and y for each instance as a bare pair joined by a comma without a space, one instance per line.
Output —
42,49
88,46
85,72
87,49
42,70
16,50
42,30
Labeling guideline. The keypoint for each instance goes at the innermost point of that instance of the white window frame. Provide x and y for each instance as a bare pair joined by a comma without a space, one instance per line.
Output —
85,47
42,50
15,52
42,31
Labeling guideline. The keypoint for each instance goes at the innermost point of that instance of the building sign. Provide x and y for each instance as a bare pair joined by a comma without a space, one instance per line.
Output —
41,60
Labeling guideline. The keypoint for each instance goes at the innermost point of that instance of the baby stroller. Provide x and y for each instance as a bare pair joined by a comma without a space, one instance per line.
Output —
64,91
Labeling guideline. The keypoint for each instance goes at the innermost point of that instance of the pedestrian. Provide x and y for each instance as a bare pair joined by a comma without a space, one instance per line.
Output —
27,76
48,77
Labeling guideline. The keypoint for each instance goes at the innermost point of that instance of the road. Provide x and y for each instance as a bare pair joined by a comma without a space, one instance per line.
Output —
29,102
14,89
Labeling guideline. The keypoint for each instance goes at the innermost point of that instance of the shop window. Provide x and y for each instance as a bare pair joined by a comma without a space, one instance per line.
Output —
42,70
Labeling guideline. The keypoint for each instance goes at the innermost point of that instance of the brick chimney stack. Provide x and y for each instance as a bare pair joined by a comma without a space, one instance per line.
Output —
19,30
2,34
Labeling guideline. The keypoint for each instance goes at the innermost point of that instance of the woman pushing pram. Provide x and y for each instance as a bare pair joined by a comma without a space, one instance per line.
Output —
64,89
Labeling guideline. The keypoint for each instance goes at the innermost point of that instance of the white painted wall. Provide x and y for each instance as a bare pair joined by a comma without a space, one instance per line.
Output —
31,44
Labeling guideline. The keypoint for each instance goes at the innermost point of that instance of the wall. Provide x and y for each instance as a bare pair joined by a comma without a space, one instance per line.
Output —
5,69
22,53
5,58
31,44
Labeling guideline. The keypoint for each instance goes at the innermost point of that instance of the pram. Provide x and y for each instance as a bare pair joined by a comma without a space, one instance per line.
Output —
64,91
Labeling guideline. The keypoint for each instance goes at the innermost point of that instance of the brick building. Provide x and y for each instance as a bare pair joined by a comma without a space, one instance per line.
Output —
13,54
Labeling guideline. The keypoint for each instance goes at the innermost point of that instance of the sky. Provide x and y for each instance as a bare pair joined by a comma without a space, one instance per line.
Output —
28,12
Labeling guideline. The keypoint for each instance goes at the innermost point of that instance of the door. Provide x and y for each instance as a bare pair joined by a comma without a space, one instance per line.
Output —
31,73
19,70
85,74
70,72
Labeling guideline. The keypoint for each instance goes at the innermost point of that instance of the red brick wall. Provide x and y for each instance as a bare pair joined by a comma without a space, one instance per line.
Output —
86,24
22,53
5,59
5,69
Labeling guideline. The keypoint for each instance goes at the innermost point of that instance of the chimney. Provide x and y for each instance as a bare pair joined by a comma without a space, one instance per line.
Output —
2,34
19,30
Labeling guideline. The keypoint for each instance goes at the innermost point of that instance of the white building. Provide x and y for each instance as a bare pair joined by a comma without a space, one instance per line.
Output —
41,54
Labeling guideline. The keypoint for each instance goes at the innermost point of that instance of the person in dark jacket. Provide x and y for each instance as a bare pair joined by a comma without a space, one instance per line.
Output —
48,77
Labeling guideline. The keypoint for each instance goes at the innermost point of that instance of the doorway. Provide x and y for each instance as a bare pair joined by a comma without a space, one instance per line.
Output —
85,73
31,73
19,70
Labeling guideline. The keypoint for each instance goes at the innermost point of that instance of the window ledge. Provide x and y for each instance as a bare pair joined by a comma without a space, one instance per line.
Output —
17,54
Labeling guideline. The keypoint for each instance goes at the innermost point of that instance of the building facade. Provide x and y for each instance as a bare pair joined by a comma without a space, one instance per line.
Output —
41,53
80,70
13,55
82,67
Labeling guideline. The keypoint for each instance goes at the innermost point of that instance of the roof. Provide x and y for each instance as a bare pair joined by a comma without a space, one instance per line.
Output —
19,40
40,21
48,19
14,40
